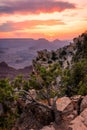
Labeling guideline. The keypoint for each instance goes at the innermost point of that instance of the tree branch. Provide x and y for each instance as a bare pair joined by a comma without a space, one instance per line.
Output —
34,100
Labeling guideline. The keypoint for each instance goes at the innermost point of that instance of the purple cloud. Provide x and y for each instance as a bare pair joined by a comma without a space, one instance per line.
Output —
34,6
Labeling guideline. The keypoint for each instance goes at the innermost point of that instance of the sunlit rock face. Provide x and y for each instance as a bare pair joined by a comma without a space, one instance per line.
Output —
80,122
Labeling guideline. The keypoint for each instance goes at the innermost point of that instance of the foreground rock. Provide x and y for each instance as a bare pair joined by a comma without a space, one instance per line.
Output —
35,117
80,122
64,104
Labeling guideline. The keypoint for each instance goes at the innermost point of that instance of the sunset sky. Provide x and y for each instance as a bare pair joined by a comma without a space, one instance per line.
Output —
51,19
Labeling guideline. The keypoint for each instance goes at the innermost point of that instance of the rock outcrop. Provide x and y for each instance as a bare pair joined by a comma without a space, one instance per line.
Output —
64,56
64,104
36,117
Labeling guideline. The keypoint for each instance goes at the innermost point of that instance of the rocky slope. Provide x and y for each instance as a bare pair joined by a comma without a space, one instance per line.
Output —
72,110
65,56
72,60
74,116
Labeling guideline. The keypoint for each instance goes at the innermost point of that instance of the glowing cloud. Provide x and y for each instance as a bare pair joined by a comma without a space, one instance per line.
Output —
13,26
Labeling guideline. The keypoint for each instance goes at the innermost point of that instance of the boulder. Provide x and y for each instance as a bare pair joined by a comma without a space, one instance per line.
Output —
64,105
80,122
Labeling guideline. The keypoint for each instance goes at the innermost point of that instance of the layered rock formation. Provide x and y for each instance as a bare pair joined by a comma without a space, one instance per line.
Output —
9,72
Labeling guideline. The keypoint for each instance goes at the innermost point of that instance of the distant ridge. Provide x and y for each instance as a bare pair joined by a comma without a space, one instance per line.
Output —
19,52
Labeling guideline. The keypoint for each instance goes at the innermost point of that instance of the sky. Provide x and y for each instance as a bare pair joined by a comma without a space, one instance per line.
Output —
50,19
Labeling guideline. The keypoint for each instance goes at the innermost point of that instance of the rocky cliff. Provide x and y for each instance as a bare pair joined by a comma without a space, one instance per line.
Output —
71,111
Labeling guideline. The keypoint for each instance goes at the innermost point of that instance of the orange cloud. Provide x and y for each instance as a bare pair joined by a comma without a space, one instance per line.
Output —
34,23
12,26
36,35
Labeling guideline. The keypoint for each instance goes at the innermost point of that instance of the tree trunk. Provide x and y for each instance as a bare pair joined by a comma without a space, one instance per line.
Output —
57,114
